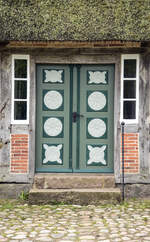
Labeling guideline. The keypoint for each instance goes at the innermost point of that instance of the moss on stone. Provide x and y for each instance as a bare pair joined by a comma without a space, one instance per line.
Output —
75,20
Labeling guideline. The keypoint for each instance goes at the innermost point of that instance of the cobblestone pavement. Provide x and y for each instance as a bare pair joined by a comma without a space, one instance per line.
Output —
65,223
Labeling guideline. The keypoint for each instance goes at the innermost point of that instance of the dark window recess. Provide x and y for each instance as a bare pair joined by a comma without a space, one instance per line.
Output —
129,68
20,89
20,68
129,89
129,110
20,110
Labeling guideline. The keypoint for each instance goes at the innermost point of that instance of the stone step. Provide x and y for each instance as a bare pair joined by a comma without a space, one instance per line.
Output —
75,196
68,181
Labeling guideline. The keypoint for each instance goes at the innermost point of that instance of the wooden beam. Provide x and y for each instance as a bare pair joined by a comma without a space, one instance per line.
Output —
73,44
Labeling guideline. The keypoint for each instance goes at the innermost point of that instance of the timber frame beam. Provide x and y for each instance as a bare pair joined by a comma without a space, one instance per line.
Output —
71,44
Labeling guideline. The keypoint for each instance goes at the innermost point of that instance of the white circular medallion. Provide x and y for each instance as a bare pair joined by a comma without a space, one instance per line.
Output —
96,101
53,100
53,126
96,127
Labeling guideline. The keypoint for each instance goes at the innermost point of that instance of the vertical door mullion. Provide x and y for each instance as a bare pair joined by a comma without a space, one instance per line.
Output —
78,119
71,111
74,124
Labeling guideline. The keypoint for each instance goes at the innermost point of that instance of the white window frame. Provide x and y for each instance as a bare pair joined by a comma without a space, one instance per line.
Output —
129,57
21,57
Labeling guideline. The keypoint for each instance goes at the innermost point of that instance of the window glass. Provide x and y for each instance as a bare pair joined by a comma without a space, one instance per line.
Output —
20,89
129,89
20,68
20,110
130,68
129,110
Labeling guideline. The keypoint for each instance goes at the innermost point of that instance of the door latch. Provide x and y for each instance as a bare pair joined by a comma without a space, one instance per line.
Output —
75,116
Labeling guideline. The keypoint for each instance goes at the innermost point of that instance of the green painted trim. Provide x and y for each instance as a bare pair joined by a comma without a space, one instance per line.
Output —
78,119
105,116
75,100
41,114
74,124
52,170
71,108
109,170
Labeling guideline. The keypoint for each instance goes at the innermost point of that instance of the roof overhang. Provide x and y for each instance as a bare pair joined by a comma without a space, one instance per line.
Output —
72,44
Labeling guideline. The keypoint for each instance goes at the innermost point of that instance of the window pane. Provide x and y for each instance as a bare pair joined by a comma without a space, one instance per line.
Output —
129,68
129,110
21,68
20,89
129,89
20,110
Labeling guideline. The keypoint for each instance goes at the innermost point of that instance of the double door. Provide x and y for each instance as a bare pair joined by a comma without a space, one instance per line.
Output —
74,118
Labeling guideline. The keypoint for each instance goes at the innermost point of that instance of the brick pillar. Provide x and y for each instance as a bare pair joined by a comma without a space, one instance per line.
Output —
131,153
19,153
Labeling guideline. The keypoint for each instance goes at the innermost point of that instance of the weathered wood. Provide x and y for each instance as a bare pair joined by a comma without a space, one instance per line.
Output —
82,56
117,94
75,59
143,114
73,44
32,118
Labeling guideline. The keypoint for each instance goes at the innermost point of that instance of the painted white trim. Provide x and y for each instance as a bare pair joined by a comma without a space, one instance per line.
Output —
21,57
127,57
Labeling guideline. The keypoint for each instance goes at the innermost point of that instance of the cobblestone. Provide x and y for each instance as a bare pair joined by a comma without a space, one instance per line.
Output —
65,223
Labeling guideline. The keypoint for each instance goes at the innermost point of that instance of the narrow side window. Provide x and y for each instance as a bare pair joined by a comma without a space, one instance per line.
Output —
20,89
130,88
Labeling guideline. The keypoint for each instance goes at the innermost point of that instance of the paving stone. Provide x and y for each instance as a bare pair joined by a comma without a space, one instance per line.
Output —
1,237
19,237
114,235
126,239
44,239
75,223
87,237
44,231
57,236
107,240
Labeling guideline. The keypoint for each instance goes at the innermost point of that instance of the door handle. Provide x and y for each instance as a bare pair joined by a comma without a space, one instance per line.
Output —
76,115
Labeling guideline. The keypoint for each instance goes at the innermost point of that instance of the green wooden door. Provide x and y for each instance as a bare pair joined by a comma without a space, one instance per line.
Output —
74,122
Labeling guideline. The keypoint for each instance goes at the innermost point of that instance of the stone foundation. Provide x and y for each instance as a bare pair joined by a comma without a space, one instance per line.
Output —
137,191
13,191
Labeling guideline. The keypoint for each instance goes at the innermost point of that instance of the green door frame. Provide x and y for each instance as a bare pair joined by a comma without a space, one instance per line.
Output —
76,88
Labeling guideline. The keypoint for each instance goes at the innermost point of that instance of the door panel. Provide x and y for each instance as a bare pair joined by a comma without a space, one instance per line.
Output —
53,119
74,125
95,126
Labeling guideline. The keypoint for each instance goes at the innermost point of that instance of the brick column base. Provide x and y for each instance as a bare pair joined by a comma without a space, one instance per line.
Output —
19,153
131,153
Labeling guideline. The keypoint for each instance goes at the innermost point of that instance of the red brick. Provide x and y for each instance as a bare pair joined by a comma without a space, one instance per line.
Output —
19,153
131,154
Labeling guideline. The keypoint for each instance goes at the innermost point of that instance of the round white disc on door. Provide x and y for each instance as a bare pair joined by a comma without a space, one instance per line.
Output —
96,101
53,100
96,127
53,126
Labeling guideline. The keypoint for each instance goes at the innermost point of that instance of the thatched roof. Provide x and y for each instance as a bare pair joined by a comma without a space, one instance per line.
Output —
83,20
